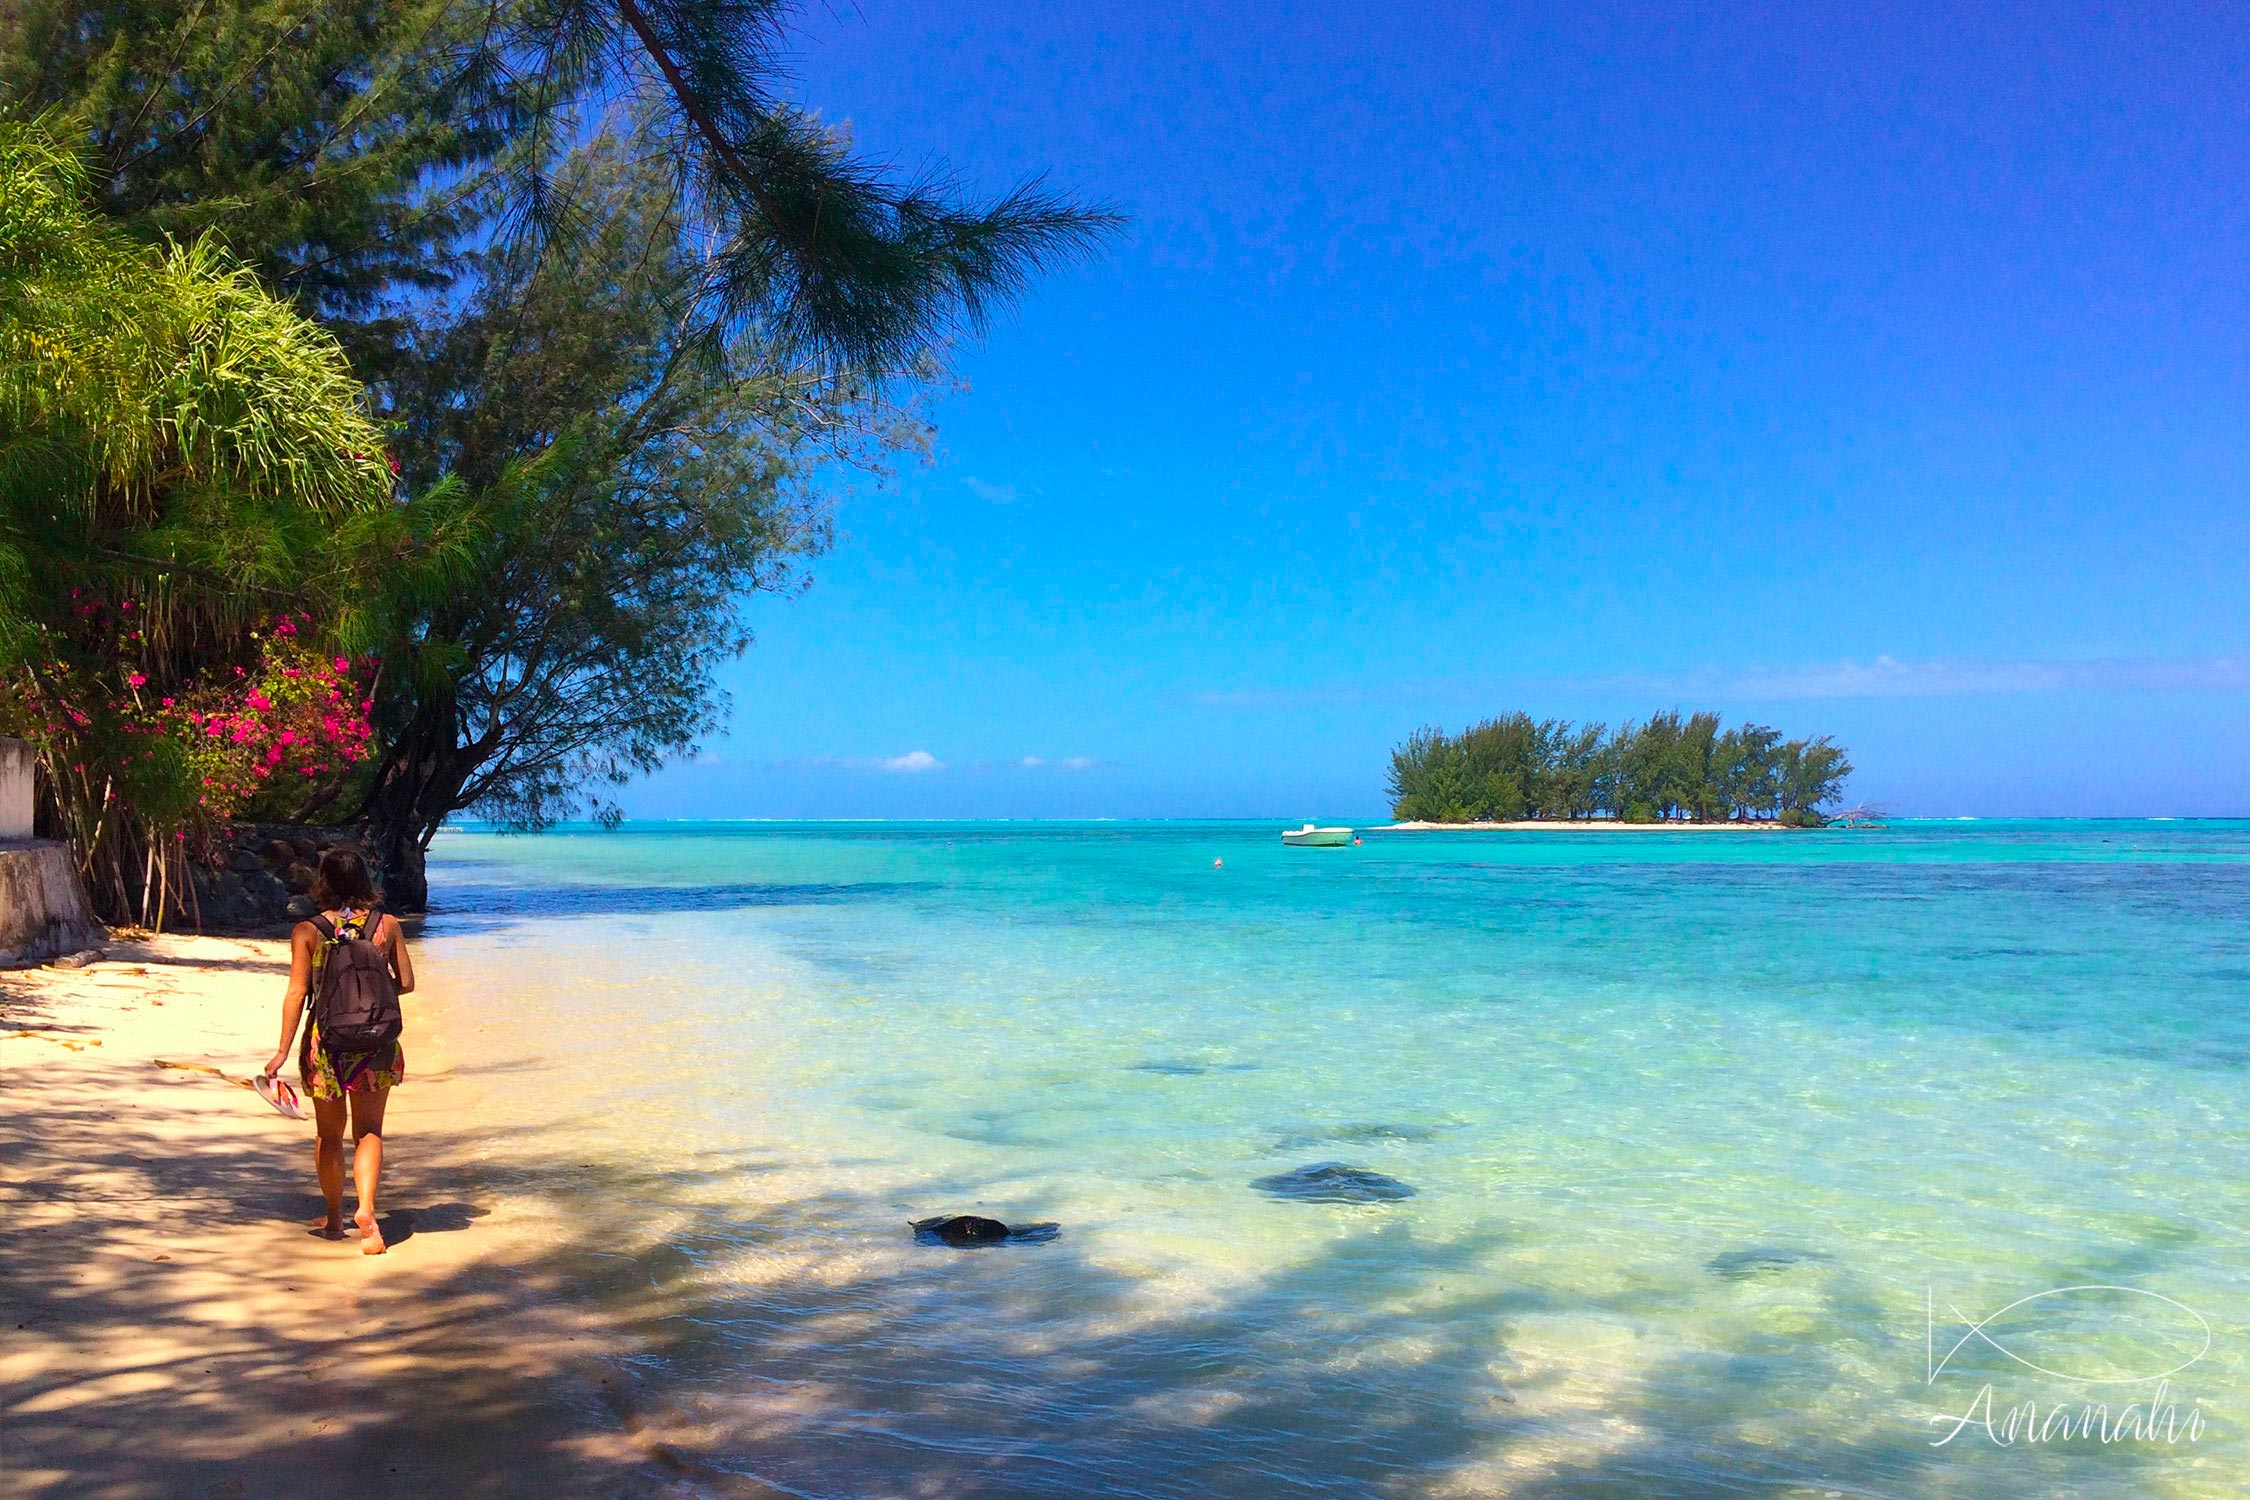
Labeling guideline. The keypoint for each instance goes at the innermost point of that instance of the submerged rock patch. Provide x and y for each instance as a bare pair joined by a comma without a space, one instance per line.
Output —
1359,1133
1758,1260
1333,1182
1172,1068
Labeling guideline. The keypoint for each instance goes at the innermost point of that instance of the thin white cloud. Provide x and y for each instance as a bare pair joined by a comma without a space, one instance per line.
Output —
1066,763
985,489
913,761
1888,677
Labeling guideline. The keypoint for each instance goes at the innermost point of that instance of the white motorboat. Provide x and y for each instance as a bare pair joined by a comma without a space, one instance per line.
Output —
1309,837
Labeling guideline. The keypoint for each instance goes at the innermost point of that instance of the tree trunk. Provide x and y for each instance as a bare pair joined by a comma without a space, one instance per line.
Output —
415,791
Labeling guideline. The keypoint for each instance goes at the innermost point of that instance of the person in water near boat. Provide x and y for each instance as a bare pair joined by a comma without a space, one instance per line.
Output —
351,962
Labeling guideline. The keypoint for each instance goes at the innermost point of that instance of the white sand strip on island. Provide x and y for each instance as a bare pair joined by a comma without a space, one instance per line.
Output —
1584,825
173,1327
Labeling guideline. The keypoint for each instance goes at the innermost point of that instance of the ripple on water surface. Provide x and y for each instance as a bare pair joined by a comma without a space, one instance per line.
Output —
1712,1140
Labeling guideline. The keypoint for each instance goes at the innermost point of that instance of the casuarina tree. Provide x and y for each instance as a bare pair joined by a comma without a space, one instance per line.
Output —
414,175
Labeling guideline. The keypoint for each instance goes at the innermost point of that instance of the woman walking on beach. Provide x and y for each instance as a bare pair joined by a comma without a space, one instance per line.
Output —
349,934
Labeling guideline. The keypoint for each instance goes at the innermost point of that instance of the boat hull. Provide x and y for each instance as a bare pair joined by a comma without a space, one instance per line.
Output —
1317,838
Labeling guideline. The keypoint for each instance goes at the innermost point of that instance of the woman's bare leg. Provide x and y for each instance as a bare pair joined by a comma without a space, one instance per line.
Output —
328,1161
367,1163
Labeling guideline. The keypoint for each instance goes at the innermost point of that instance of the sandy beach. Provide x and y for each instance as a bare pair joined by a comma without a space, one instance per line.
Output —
173,1328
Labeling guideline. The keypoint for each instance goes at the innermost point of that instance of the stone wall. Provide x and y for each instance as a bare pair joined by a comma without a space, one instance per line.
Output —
264,884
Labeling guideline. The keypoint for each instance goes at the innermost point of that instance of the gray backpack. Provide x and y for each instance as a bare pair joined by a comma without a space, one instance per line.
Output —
357,1005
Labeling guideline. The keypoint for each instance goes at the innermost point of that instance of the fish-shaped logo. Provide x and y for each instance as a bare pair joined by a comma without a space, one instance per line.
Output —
2167,1329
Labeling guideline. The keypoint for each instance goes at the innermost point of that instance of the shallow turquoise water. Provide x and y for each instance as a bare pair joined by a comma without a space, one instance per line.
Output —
1718,1142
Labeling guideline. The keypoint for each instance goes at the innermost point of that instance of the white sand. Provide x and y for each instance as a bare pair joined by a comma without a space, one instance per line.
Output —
173,1328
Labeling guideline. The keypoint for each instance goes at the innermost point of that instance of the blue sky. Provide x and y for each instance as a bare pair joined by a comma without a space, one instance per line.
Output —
1876,371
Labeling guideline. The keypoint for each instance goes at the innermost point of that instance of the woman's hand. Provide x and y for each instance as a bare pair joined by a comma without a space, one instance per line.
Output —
274,1067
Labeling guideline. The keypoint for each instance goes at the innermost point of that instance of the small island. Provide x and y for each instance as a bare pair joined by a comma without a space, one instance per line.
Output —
1669,771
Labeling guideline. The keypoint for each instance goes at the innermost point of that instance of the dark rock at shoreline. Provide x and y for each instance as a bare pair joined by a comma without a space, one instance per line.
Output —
968,1232
1333,1182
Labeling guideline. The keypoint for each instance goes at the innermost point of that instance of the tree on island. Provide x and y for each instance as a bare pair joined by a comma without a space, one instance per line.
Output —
618,306
1516,768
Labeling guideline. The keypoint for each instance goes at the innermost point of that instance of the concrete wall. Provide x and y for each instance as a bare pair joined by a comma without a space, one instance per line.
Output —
15,789
43,911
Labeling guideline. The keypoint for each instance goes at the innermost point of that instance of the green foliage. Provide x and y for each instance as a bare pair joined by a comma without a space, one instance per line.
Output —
181,456
358,150
834,258
609,377
166,426
1516,767
341,150
635,476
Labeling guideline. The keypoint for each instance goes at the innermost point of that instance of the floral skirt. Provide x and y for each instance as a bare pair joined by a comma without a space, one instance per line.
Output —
326,1077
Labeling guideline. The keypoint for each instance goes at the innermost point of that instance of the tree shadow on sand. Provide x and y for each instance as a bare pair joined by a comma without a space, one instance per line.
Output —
739,1344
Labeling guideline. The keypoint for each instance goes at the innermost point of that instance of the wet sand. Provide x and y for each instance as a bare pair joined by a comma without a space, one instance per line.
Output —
169,1325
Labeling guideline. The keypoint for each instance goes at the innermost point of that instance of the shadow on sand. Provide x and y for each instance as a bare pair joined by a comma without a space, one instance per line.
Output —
746,1343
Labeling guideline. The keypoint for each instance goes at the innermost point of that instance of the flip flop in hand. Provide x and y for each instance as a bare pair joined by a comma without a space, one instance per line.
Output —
280,1094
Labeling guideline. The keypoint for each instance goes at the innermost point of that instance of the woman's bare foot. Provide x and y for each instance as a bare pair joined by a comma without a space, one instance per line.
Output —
370,1237
330,1226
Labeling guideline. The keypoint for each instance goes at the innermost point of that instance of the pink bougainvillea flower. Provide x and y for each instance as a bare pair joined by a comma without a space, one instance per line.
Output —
137,680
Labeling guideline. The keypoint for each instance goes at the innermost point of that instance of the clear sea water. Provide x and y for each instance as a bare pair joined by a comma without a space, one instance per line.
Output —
1720,1143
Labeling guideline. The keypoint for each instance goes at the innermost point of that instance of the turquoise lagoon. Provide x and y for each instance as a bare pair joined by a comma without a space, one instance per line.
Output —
1730,1151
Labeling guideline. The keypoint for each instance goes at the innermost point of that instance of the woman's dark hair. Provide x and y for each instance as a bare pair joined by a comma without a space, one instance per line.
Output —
343,880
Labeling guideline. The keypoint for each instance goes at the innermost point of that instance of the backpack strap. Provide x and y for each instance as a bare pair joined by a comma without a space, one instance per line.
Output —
319,981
